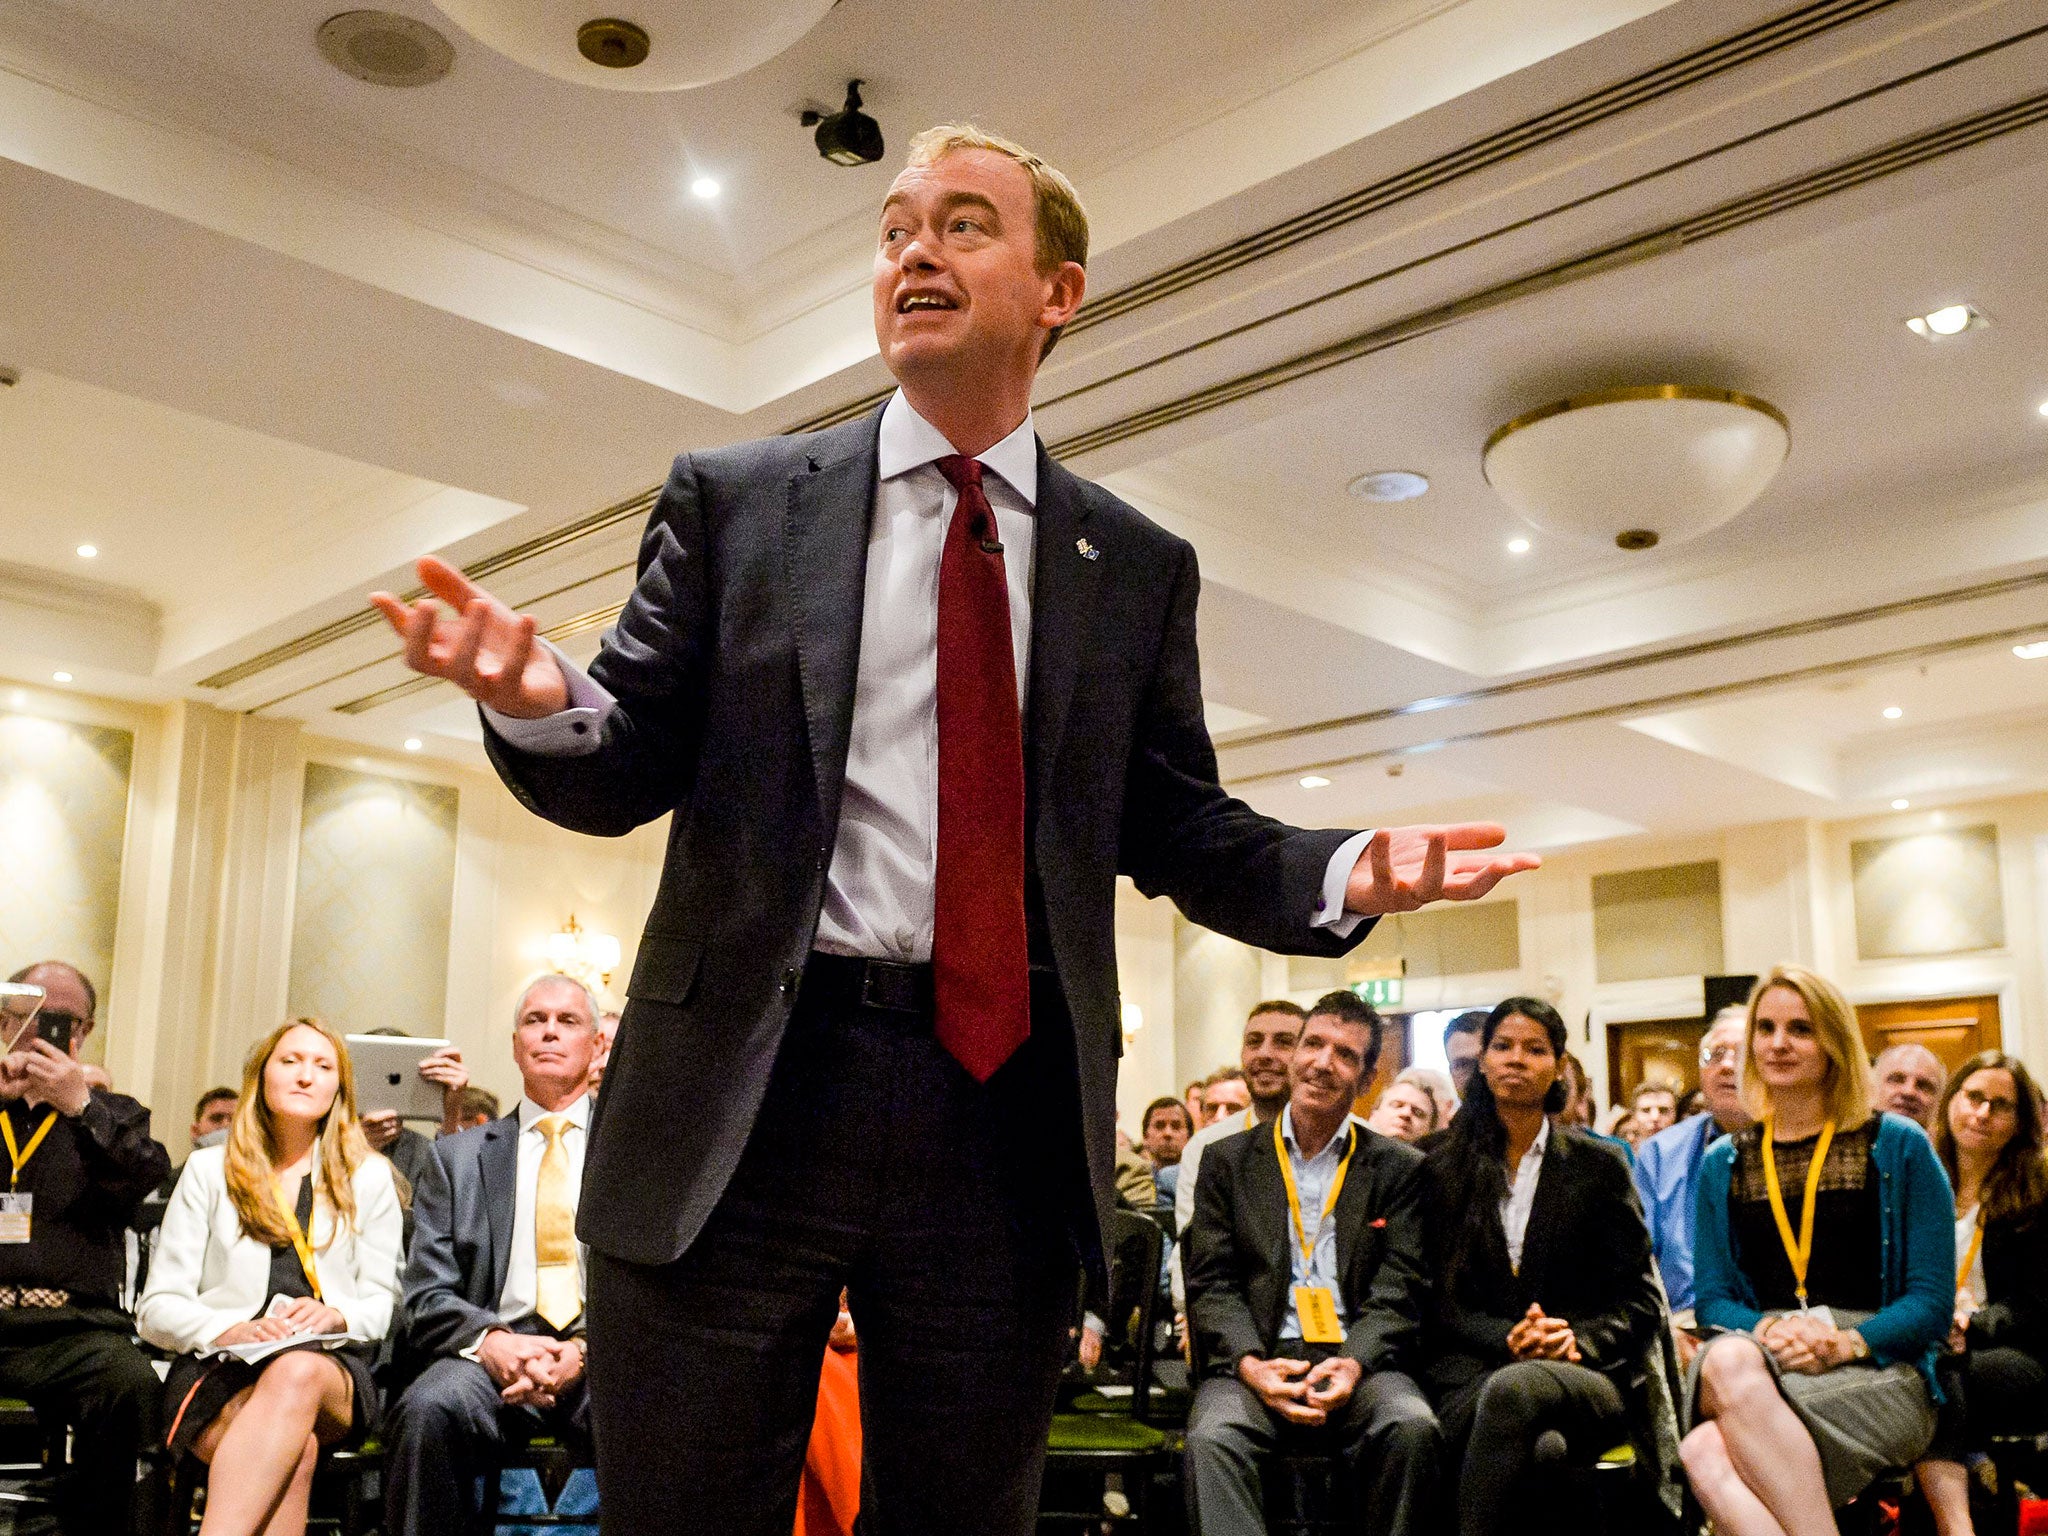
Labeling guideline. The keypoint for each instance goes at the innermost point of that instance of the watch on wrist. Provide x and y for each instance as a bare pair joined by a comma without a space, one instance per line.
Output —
1859,1347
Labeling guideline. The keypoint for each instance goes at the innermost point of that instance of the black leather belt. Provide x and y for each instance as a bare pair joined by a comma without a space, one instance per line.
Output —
847,982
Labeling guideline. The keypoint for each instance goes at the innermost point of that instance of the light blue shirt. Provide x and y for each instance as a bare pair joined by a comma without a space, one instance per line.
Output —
1312,1179
1667,1177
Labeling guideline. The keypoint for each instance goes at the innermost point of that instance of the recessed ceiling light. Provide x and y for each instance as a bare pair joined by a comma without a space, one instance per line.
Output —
384,48
60,677
1949,320
1518,546
1902,805
705,187
413,743
2043,407
1314,781
1389,485
88,551
2033,650
1893,712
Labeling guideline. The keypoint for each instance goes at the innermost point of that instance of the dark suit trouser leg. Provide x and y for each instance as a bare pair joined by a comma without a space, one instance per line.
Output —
442,1434
1229,1430
96,1381
876,1164
1391,1439
1513,1406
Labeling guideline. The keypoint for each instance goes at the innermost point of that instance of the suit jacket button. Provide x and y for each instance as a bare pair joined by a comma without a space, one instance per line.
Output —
790,979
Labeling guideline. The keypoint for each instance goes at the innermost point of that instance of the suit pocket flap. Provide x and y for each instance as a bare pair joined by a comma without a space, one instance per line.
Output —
666,967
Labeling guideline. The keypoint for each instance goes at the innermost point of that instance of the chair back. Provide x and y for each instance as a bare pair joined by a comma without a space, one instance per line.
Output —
1135,1248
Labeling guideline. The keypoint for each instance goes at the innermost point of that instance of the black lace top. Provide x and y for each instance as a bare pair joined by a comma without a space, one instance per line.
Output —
1846,1269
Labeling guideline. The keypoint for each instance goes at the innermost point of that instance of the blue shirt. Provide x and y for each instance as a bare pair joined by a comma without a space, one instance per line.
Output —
1667,1177
1312,1180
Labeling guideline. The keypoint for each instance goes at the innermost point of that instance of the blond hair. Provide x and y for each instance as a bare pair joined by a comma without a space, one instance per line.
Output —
1845,1088
251,1160
1061,222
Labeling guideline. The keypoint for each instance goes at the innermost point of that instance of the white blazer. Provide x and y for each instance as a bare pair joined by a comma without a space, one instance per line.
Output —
206,1274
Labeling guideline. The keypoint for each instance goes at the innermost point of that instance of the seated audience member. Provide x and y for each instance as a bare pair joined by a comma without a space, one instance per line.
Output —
1305,1296
1653,1107
607,1036
82,1162
212,1116
1406,1111
1192,1097
479,1107
404,1146
1271,1031
1165,1135
1908,1081
494,1292
292,1227
1133,1172
1545,1304
1224,1095
1692,1105
1989,1135
1668,1167
1826,1256
1461,1049
1580,1106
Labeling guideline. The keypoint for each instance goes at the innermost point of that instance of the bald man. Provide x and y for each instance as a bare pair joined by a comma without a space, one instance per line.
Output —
1909,1080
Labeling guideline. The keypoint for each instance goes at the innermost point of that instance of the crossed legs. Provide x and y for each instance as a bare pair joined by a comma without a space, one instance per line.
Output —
263,1446
1753,1466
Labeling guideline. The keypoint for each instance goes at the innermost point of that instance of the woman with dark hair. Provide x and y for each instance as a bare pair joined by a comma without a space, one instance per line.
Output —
1546,1302
1825,1267
1990,1137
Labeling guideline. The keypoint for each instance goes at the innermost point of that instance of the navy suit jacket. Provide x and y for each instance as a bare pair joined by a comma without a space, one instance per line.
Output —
733,666
463,1205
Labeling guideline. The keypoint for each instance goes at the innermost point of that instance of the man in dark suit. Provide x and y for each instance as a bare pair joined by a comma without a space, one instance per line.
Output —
493,1315
915,695
1306,1295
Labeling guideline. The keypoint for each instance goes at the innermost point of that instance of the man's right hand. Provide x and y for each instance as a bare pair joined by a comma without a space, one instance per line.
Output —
508,1356
483,648
1282,1385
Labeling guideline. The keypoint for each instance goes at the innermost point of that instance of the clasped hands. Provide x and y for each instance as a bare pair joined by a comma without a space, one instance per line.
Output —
41,1074
1539,1336
1810,1345
1299,1392
302,1314
529,1371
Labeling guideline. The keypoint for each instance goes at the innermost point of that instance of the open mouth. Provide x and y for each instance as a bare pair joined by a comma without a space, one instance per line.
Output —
924,303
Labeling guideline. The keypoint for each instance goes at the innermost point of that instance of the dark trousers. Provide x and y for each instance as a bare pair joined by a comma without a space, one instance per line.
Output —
80,1368
878,1165
1386,1436
1987,1392
449,1428
1495,1421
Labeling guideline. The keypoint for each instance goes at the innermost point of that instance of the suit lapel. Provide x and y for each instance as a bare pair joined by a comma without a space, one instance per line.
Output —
498,1165
1352,1202
1266,1206
1064,588
1546,1212
825,546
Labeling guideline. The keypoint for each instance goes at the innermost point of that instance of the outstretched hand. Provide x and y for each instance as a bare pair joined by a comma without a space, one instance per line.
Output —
1403,868
480,645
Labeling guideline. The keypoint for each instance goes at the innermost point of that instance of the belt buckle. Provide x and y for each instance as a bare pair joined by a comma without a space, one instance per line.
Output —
883,984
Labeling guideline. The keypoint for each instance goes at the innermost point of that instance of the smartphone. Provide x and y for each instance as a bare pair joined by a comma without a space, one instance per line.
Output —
56,1029
19,1005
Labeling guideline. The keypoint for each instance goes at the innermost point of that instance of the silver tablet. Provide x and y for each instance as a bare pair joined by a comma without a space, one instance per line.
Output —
388,1075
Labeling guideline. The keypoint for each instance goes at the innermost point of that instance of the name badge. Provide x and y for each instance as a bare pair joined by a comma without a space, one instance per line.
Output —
1316,1307
1821,1315
16,1208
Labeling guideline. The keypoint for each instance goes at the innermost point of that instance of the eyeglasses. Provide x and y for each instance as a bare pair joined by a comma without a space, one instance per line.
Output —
1983,1101
1717,1055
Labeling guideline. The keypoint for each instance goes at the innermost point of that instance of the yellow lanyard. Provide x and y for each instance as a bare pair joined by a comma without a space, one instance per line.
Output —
16,1154
1799,1252
1294,1193
1976,1246
300,1242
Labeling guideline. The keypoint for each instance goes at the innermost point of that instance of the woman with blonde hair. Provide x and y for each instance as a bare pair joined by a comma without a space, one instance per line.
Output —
291,1231
1825,1261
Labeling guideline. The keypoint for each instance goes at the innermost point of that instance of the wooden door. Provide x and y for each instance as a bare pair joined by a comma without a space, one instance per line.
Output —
1954,1028
1667,1049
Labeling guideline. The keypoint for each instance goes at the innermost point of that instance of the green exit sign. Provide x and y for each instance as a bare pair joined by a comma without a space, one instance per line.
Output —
1382,992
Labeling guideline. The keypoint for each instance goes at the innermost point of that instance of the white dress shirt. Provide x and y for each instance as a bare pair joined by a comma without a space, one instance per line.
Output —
1514,1211
1312,1179
516,1300
880,886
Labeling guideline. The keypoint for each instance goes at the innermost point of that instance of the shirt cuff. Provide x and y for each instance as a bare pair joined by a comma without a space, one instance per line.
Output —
1330,911
572,732
471,1352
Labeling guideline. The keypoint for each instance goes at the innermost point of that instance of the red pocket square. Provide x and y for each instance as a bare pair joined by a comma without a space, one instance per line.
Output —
1378,1221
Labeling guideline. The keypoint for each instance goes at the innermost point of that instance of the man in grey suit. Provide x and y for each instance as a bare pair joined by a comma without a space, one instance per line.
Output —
915,696
493,1314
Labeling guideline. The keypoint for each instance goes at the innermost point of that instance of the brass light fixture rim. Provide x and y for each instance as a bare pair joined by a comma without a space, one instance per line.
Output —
1631,392
602,28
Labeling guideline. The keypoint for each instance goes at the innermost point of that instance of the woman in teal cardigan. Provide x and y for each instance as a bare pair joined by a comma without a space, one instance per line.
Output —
1825,1263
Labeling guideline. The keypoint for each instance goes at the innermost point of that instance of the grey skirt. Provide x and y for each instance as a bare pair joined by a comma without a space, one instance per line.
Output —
1865,1418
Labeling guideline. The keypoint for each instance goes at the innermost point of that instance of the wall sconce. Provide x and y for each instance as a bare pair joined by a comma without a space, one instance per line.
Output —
1134,1020
589,957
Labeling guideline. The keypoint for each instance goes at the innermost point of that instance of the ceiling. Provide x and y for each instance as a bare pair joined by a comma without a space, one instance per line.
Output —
280,332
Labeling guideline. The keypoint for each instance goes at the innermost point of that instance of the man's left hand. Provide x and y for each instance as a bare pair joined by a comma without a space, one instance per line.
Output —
42,1074
1403,868
445,1069
1332,1381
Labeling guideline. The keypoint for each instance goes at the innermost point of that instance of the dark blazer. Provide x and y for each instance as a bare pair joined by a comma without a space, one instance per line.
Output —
463,1205
733,666
2015,1314
1585,1258
1238,1259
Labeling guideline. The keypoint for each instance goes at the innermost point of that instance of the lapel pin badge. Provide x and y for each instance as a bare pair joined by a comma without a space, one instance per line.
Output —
1088,551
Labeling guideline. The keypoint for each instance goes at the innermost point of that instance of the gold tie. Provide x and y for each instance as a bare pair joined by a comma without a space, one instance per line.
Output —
558,1293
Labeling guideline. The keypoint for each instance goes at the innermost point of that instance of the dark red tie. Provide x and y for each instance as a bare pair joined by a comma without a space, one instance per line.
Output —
980,975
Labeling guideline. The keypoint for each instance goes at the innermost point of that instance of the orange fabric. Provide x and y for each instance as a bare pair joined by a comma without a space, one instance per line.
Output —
830,1496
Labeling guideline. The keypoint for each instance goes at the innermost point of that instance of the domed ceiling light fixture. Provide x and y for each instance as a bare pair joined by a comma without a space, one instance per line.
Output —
1646,465
662,45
